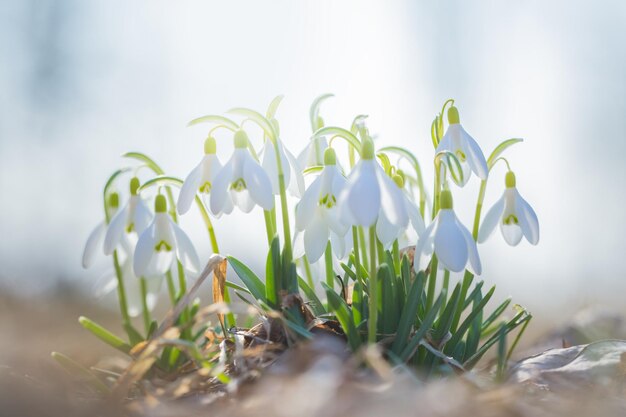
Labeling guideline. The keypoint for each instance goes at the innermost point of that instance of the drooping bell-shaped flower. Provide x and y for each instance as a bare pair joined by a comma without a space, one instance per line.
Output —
242,182
386,232
95,240
370,193
515,216
200,179
292,172
317,214
457,141
133,218
161,244
449,240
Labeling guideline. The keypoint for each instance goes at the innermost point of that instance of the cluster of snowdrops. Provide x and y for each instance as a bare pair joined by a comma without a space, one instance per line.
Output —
350,228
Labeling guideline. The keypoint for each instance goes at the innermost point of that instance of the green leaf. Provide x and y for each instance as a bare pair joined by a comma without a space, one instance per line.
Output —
474,333
104,335
314,302
344,316
134,336
445,321
273,273
348,271
237,287
478,308
220,120
409,313
341,133
424,327
499,149
249,278
257,118
496,313
388,320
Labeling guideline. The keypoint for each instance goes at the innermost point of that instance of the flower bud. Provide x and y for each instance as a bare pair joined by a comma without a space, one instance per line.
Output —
160,204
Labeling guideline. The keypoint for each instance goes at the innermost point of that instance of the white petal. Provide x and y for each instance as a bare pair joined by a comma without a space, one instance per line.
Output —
424,244
105,284
333,220
450,245
242,200
527,219
115,230
142,217
219,191
386,231
392,200
189,189
512,233
362,199
475,156
298,245
306,207
94,242
269,165
316,237
414,215
258,183
341,245
159,264
296,183
446,141
144,250
185,251
493,216
133,290
472,250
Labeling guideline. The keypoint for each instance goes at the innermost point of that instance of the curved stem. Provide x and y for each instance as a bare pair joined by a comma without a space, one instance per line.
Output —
208,224
307,271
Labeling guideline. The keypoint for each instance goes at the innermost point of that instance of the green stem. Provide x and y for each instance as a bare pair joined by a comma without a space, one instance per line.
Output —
479,207
357,257
432,282
328,260
373,284
208,224
284,208
147,320
269,229
182,282
362,243
395,251
170,287
446,285
121,292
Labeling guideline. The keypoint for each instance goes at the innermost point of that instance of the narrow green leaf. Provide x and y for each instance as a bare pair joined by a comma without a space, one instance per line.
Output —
134,335
424,327
474,333
409,313
75,368
236,287
478,308
314,302
249,278
104,335
445,321
273,273
344,316
389,318
496,313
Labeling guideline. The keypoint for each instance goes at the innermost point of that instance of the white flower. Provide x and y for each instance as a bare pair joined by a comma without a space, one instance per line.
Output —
161,244
370,193
95,240
317,213
241,182
514,214
134,217
313,153
200,180
457,141
292,172
386,232
449,239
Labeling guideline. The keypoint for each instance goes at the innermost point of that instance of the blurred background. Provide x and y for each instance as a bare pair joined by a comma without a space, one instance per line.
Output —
83,82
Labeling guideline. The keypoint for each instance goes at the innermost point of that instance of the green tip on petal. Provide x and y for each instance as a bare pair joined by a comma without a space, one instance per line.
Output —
445,200
134,185
509,180
114,200
160,204
241,139
399,180
330,157
210,146
453,115
367,149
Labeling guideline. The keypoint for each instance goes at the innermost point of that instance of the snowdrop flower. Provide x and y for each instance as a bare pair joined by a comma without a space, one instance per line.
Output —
292,172
317,213
449,239
200,180
457,141
514,214
134,217
312,154
161,244
241,182
96,237
370,193
386,232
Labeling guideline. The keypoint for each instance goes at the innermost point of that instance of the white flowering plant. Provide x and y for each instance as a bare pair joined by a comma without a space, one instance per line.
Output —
358,258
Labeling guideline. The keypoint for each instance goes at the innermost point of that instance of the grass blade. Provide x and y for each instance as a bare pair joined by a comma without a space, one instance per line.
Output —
104,335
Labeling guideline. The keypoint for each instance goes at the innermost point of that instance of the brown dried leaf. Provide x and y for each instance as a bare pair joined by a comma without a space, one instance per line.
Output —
219,286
